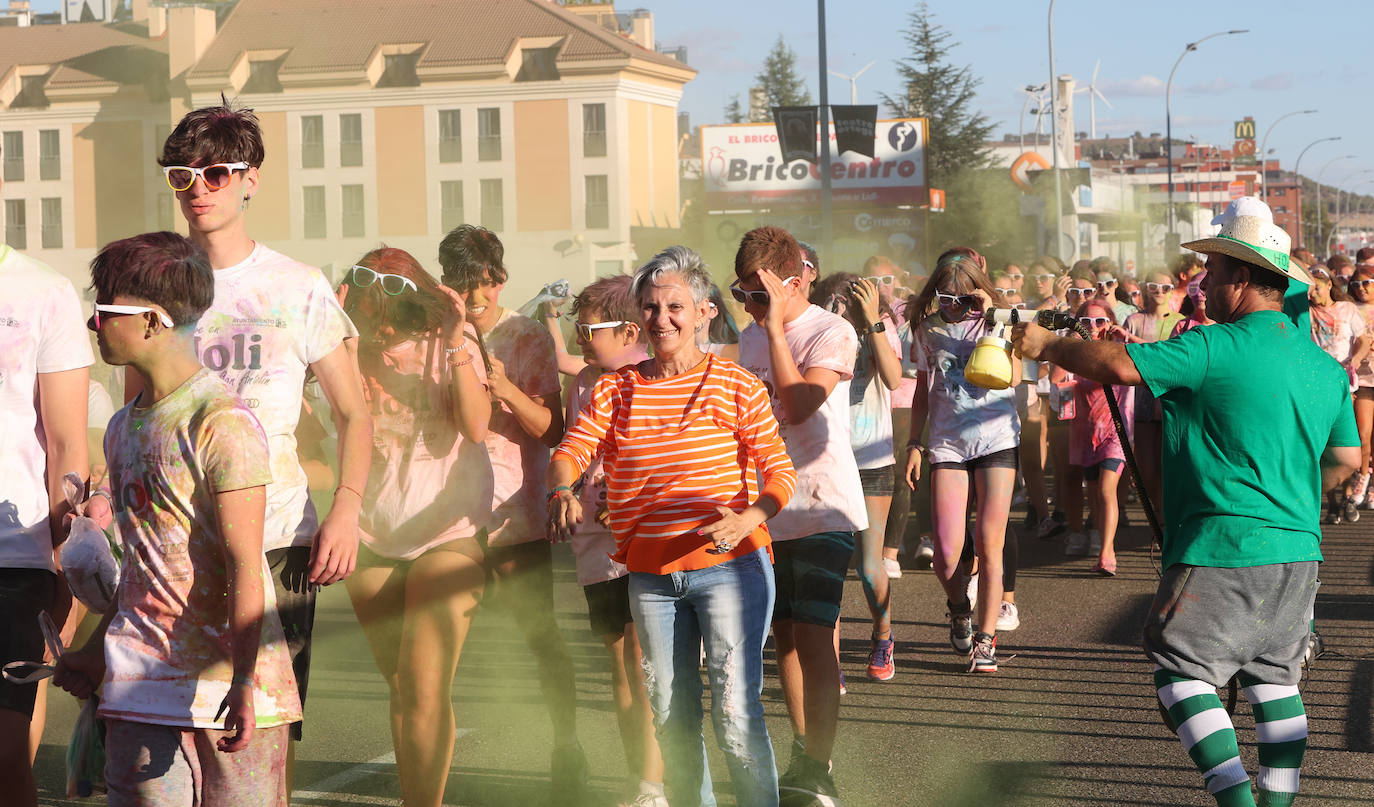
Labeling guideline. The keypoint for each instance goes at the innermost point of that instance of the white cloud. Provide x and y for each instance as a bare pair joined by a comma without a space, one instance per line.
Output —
1274,81
1216,86
1140,87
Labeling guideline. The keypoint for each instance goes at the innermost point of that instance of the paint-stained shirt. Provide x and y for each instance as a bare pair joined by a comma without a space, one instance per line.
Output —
169,656
675,449
829,495
41,331
429,485
272,318
966,421
519,460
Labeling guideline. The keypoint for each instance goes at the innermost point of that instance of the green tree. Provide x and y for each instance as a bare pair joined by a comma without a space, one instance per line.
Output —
943,94
780,80
734,113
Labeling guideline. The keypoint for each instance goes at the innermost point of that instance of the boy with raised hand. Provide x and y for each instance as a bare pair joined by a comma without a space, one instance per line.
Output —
272,320
805,357
197,690
44,372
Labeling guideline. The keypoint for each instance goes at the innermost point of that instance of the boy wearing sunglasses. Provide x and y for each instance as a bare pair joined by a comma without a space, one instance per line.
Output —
189,471
272,320
45,362
805,357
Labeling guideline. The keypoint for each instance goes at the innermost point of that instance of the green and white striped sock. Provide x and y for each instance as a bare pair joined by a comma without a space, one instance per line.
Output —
1281,730
1207,735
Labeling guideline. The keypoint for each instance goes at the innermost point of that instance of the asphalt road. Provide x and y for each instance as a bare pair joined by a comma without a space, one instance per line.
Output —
1070,717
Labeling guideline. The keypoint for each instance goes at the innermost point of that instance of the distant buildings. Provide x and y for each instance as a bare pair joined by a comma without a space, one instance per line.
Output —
556,126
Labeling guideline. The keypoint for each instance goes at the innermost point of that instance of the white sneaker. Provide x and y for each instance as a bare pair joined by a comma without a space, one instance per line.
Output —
647,800
1094,542
1008,618
1076,544
1368,503
892,568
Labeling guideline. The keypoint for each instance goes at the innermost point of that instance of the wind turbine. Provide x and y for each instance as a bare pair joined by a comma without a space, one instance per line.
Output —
1093,94
853,87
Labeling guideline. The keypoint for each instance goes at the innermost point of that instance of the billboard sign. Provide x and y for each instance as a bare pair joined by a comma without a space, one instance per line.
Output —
744,169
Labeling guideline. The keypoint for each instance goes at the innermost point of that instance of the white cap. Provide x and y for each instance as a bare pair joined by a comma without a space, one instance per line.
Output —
1245,206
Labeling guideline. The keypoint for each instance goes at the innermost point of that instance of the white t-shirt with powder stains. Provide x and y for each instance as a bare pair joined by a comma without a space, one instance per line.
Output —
829,497
168,652
272,318
966,421
42,331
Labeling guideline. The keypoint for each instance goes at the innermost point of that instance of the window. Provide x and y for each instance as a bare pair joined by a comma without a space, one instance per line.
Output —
262,76
493,207
450,204
49,154
450,136
351,139
30,93
538,64
14,156
399,70
354,223
16,224
598,203
489,134
312,204
52,223
312,141
593,130
164,211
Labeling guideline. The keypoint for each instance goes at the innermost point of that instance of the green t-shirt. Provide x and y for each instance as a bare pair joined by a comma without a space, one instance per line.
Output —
1249,407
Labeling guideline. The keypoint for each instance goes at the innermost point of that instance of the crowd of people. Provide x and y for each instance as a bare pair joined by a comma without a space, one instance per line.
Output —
716,484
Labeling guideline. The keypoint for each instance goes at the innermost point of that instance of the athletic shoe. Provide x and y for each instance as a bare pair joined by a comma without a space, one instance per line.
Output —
961,630
1094,542
1031,520
569,773
1361,492
982,656
1368,503
1076,545
925,553
1315,646
1335,514
1008,617
1052,525
809,783
892,568
1350,511
880,666
844,690
1106,568
648,800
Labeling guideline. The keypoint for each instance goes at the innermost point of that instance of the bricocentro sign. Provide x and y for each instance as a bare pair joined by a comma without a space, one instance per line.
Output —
743,168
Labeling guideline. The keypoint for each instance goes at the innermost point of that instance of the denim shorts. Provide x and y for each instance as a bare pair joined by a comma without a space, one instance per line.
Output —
810,576
1006,458
1094,472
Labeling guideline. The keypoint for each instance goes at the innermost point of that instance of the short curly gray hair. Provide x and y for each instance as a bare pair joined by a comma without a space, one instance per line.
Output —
682,261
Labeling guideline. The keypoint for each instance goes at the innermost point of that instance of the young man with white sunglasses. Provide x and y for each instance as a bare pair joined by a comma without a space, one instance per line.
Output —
273,320
45,361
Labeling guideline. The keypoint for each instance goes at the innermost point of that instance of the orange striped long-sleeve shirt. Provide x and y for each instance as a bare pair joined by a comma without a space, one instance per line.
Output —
674,449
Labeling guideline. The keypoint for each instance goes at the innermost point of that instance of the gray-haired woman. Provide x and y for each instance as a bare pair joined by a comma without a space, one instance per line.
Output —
683,437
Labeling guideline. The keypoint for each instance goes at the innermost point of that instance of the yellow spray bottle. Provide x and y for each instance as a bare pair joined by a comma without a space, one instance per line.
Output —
990,364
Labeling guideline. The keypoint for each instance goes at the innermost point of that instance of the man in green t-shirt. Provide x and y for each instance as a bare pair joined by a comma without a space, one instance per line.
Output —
1258,423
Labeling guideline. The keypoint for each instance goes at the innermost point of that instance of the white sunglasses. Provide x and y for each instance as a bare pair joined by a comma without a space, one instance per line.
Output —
584,329
391,284
215,177
129,309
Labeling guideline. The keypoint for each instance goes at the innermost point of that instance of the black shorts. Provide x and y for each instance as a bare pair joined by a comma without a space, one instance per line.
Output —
878,481
296,607
608,606
810,576
1006,458
23,594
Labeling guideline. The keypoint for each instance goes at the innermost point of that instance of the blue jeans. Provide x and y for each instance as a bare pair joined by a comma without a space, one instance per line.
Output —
728,607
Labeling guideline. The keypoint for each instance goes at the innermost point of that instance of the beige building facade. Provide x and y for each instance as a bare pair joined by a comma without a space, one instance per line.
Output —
382,123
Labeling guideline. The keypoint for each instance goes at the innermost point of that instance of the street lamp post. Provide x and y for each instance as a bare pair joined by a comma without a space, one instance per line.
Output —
1297,179
1265,142
1031,91
1168,118
1054,145
1319,190
1341,217
1339,191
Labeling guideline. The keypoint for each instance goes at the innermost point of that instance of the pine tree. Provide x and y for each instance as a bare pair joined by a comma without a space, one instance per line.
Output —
780,80
734,113
943,94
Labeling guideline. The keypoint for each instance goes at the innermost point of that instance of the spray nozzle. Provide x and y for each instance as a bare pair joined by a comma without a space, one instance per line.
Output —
1053,320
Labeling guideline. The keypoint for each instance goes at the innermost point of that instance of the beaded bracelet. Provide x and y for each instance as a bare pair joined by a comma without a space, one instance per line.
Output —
557,489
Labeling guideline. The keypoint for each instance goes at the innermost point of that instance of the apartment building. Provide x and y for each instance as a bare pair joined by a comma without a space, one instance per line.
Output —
384,123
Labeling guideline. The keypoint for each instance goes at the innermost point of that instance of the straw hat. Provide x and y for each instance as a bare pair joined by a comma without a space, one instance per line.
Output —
1255,240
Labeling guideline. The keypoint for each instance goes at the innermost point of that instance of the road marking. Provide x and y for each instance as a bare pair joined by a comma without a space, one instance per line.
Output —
331,788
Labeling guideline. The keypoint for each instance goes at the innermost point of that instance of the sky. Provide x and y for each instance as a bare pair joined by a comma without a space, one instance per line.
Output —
1295,57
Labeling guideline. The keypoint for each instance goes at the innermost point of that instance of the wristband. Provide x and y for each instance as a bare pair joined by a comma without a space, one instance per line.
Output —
918,445
349,489
242,680
449,351
467,358
102,493
557,489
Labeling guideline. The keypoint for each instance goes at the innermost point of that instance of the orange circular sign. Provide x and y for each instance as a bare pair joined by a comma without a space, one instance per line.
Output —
1029,161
